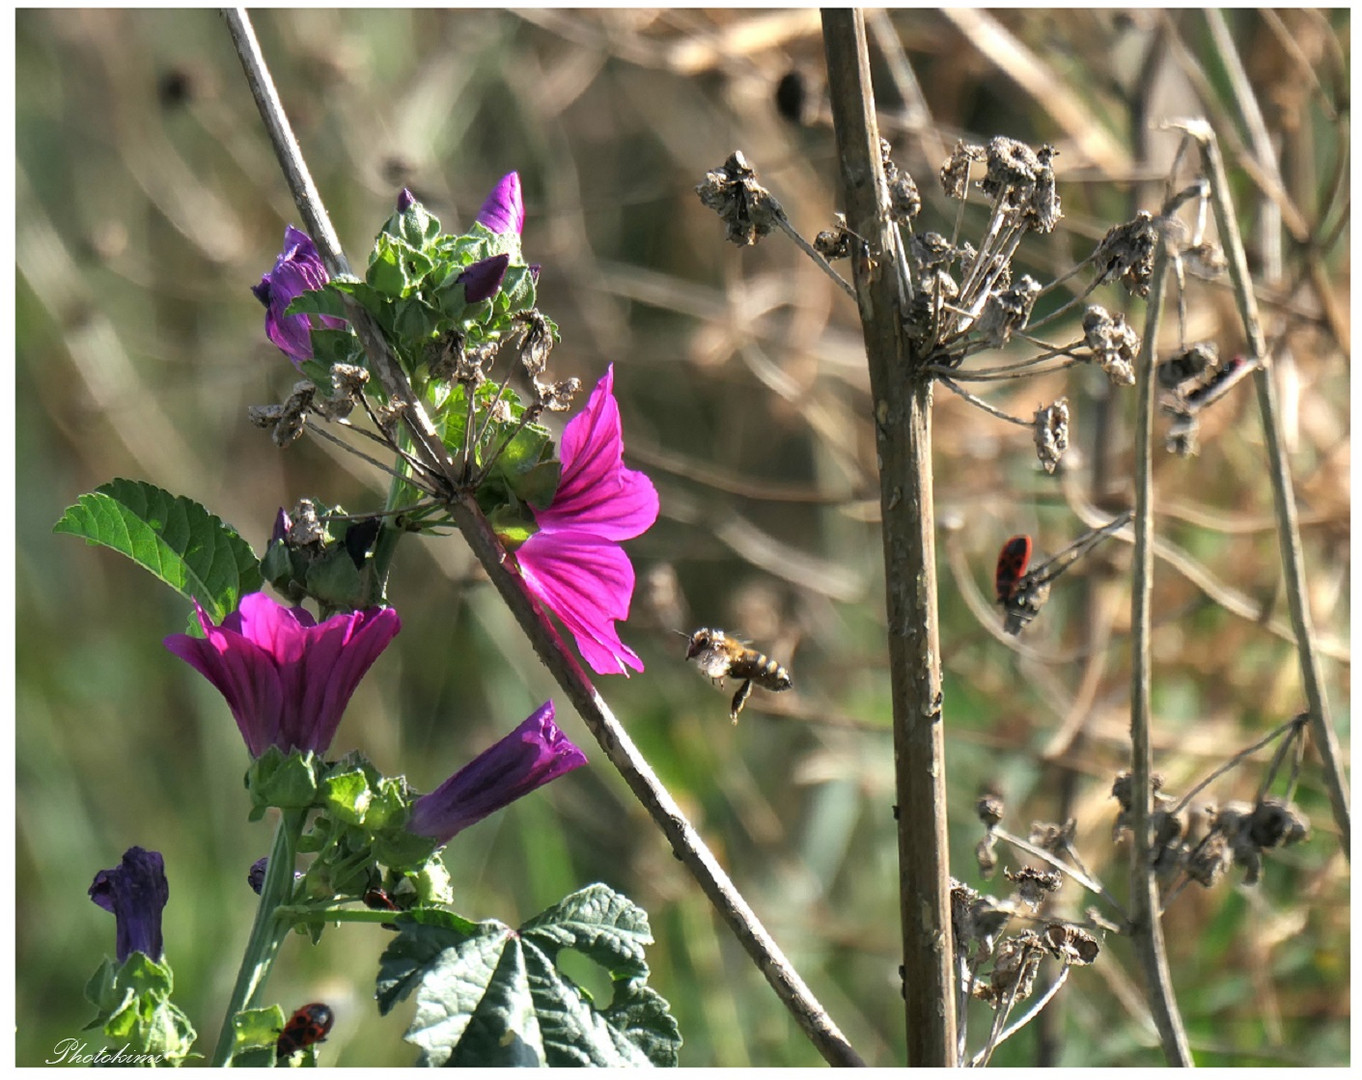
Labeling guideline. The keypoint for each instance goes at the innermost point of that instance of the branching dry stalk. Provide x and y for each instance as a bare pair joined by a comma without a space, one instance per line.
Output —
1146,927
1284,500
568,673
902,396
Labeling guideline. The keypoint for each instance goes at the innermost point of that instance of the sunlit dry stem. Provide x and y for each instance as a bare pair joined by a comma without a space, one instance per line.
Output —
1288,524
1146,925
609,733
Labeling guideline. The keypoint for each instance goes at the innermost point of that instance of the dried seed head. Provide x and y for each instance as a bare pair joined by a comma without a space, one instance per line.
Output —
1168,851
955,172
1188,365
287,419
904,201
1205,260
1114,344
1052,837
834,243
732,192
929,251
990,808
1274,822
1007,310
1071,944
1021,179
1014,969
347,389
1051,432
536,342
976,919
1208,862
986,855
1033,884
556,396
305,527
1127,252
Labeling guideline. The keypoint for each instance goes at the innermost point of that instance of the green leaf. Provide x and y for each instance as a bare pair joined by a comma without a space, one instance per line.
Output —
487,996
173,537
255,1036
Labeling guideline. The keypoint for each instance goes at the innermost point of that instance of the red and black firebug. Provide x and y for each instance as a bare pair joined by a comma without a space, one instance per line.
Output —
307,1026
1012,563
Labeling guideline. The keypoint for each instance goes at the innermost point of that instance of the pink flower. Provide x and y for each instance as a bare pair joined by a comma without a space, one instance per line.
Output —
286,679
528,758
574,563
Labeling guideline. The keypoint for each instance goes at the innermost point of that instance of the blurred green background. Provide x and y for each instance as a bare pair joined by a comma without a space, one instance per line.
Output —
149,203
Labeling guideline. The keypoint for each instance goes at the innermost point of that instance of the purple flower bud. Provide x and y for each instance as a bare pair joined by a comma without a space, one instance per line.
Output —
405,201
282,524
297,270
136,892
255,877
504,209
482,280
532,755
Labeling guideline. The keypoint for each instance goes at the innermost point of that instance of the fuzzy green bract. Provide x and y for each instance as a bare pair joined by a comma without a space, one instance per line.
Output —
487,995
173,537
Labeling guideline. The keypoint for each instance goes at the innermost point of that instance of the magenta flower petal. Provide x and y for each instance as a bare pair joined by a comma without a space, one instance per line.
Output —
297,270
482,280
597,494
504,209
286,678
136,892
588,582
528,758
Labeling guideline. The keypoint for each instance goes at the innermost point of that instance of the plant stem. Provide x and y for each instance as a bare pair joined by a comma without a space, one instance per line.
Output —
1146,927
1288,523
902,395
608,731
266,934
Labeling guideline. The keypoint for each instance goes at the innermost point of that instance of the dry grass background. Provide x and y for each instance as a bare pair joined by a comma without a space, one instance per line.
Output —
148,203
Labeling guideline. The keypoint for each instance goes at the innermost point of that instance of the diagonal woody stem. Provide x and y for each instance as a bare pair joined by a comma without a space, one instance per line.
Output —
595,713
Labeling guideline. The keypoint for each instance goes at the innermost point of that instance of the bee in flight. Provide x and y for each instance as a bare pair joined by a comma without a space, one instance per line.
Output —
718,655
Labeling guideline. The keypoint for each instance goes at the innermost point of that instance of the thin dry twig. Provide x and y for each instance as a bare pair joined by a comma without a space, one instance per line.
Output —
1146,927
1284,500
463,508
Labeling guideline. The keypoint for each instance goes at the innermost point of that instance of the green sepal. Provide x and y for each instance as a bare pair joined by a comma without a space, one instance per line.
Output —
415,226
288,781
255,1036
134,1006
346,795
396,267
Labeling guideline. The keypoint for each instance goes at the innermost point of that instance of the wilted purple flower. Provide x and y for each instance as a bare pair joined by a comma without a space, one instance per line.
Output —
574,563
504,209
298,270
136,892
255,876
532,755
482,279
286,678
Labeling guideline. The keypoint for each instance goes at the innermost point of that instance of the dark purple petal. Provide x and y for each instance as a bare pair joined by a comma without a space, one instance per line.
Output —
588,583
597,494
482,280
255,876
136,892
405,201
532,755
286,679
504,209
297,270
282,524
